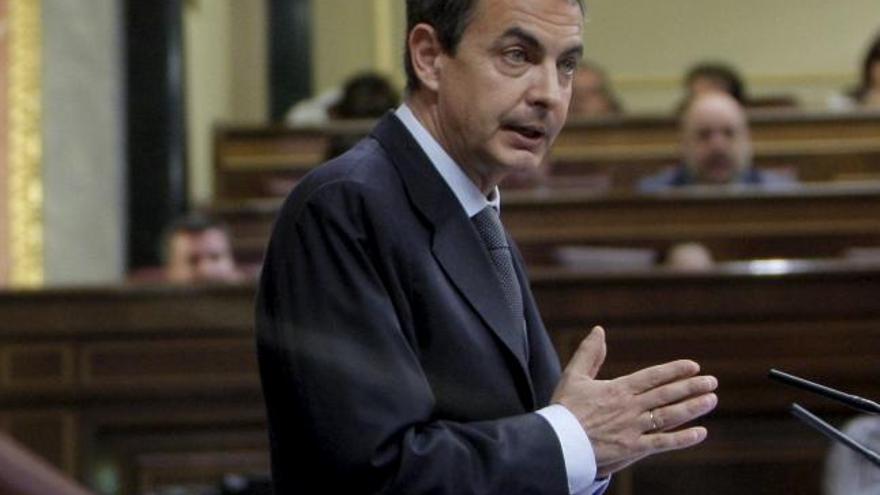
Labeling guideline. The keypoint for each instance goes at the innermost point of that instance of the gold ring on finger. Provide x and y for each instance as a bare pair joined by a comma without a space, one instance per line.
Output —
654,425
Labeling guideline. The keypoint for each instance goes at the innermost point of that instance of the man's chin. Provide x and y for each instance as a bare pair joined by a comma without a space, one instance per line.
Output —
718,176
523,160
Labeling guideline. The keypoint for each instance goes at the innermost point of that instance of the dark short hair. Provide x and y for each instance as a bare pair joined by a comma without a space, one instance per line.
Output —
449,18
722,72
194,222
871,56
365,96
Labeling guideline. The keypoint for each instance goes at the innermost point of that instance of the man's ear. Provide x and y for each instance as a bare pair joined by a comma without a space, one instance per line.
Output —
426,55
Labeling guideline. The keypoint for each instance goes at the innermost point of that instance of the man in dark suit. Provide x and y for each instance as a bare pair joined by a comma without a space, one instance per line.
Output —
400,348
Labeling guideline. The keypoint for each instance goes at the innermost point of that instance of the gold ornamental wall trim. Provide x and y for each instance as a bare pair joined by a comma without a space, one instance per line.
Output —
25,144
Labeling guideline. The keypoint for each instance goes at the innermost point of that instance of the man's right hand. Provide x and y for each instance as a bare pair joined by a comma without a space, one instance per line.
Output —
636,415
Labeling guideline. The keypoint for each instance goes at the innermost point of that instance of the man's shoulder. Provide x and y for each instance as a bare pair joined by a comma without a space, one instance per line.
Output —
775,177
362,177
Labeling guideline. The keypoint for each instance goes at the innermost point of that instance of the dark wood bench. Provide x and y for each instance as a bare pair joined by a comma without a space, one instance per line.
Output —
157,386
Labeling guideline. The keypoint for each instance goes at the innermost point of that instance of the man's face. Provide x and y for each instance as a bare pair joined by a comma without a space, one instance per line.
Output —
201,257
504,95
715,139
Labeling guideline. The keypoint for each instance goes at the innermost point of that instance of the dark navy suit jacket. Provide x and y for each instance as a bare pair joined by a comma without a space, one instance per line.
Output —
388,360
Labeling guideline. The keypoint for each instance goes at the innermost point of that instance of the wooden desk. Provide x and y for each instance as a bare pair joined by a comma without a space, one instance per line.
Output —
814,320
254,161
819,220
158,385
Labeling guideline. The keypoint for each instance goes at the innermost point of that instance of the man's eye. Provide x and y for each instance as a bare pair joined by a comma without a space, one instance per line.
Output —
568,66
515,56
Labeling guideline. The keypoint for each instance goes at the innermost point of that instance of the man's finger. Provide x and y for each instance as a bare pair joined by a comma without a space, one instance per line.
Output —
678,391
654,443
655,376
675,415
590,354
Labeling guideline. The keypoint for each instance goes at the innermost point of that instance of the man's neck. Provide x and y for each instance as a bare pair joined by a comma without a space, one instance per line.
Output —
424,107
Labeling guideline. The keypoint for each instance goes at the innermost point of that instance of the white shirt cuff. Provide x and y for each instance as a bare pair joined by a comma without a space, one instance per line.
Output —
577,451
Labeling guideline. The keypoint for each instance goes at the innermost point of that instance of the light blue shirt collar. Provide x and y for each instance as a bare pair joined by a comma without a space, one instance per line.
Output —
468,194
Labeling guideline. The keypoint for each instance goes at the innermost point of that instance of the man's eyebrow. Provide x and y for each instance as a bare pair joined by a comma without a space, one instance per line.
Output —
529,39
521,34
577,51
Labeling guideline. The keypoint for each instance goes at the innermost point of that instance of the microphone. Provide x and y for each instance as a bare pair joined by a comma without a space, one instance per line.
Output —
833,433
854,401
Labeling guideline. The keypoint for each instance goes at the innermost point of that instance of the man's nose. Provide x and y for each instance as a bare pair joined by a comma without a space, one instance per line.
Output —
719,140
546,89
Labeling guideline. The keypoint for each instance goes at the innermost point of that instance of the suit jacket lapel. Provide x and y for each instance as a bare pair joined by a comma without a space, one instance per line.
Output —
456,245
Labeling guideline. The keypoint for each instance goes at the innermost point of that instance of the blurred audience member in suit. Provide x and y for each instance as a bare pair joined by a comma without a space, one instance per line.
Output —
716,148
197,248
592,95
847,472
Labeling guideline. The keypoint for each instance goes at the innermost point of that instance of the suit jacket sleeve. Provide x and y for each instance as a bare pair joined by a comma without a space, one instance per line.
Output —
350,408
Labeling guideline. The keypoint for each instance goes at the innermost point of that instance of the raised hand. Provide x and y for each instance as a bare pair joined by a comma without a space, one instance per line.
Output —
636,415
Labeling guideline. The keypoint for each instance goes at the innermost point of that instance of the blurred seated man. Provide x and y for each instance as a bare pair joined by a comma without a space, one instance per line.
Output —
847,472
716,148
592,95
197,248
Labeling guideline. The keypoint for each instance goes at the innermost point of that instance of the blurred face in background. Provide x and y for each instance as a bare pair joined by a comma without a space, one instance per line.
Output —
589,96
204,256
716,144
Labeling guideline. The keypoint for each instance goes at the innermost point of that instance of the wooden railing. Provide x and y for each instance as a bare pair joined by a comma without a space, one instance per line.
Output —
821,220
256,161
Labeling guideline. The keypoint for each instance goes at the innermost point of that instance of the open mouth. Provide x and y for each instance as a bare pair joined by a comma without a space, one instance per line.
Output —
526,131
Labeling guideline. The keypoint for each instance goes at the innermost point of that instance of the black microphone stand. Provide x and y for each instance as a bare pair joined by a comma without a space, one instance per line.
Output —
823,427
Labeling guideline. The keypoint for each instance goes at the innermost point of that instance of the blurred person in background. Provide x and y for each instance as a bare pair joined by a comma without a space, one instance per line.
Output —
867,93
197,248
592,94
716,148
366,95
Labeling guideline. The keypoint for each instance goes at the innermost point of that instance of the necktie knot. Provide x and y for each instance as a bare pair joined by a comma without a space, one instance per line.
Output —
490,229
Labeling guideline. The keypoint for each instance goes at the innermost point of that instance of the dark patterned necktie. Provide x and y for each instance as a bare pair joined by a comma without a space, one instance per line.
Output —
492,232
